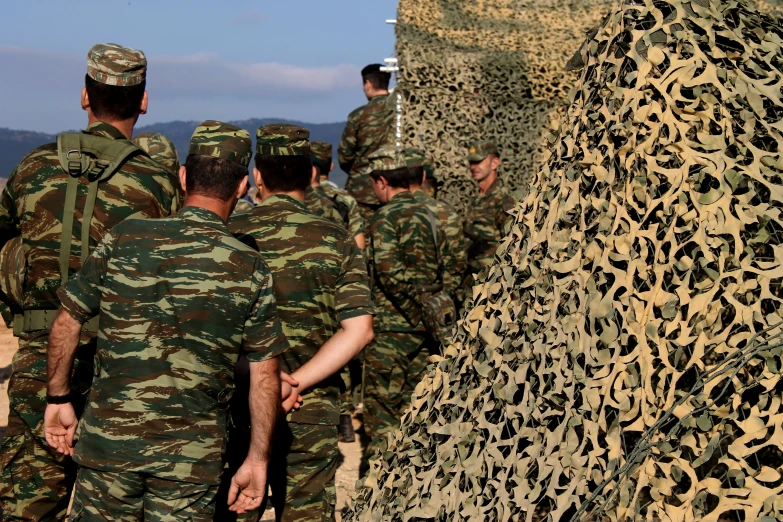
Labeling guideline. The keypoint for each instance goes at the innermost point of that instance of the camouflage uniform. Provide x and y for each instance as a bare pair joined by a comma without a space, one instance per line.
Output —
403,257
243,205
485,222
161,149
368,128
35,481
322,205
177,300
320,279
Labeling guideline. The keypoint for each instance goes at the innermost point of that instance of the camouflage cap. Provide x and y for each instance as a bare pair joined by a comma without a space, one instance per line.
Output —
114,64
321,154
415,157
222,140
387,157
159,148
282,139
481,149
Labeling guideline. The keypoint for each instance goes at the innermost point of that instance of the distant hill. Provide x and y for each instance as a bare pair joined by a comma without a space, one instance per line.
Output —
14,144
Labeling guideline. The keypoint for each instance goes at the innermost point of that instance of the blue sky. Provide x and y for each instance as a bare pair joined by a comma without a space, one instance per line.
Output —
229,60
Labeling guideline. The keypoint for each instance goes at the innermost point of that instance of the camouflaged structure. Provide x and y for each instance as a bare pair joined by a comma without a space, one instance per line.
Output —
621,360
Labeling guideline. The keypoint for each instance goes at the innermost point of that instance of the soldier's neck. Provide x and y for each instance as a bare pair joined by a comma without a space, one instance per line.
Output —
296,194
414,188
487,182
124,126
218,206
381,92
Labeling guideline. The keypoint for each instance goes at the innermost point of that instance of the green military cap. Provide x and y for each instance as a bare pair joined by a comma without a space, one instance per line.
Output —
415,157
282,139
222,140
481,149
114,64
159,148
387,157
321,154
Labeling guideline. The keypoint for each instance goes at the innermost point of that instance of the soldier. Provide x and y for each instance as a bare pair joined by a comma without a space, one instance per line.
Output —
50,200
449,223
404,259
324,301
368,128
486,219
178,298
161,149
245,203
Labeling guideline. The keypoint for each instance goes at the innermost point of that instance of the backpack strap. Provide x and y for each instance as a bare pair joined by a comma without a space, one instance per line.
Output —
434,229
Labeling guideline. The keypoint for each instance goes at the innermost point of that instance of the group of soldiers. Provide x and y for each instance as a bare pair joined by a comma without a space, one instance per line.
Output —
195,335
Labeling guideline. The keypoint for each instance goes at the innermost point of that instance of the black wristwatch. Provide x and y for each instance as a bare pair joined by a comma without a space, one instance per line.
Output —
58,399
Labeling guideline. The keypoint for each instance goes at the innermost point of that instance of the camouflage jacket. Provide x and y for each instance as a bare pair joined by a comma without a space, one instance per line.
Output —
454,250
319,278
322,205
243,205
485,224
177,299
403,258
368,128
356,224
32,206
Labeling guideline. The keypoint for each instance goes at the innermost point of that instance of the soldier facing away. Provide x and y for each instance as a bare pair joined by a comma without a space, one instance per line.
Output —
404,259
368,128
177,298
61,199
324,301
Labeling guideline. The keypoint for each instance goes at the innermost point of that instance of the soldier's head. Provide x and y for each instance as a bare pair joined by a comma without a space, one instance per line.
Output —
114,87
484,160
389,173
216,166
415,160
160,149
374,81
283,163
321,154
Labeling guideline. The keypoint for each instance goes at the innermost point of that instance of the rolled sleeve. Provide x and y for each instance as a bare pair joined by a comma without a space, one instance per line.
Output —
263,336
353,298
81,295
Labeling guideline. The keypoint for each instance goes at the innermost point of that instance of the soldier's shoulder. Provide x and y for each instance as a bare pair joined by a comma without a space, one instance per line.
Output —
43,156
357,112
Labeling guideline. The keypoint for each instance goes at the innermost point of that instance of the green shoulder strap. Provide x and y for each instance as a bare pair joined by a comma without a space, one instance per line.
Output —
434,229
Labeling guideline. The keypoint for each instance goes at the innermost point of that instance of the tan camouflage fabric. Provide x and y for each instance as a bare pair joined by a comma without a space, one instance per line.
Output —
243,205
13,260
321,154
159,148
387,157
177,298
282,139
356,223
368,128
116,65
485,224
222,140
322,205
620,360
479,150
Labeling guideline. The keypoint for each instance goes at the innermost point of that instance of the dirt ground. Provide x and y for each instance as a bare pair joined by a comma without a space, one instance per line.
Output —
347,474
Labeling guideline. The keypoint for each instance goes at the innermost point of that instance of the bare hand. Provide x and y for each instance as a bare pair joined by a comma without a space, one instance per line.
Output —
293,401
248,487
287,379
60,427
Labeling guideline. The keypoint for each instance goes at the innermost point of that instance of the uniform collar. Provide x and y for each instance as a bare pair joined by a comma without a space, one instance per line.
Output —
203,216
403,196
283,200
379,99
106,130
497,186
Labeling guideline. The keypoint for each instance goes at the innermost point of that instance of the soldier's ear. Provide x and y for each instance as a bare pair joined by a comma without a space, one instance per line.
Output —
85,99
495,162
144,102
314,175
331,166
242,187
257,178
183,177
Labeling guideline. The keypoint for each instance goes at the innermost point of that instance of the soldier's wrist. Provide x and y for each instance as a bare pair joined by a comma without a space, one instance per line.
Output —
58,399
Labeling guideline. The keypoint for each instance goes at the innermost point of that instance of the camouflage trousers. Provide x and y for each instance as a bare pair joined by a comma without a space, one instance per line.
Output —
395,362
126,496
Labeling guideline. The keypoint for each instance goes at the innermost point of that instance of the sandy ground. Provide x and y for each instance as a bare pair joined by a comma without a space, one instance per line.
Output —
347,474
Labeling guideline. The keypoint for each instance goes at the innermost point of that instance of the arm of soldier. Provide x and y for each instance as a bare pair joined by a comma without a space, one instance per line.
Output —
9,220
80,299
346,149
390,269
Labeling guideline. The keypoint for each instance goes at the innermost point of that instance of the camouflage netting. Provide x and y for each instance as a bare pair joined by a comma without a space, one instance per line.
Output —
488,69
622,359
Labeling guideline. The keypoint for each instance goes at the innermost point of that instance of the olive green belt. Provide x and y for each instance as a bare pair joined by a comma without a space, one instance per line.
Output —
33,320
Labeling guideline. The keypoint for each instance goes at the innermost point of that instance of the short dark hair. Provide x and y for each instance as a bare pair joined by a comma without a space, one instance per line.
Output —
213,177
416,174
430,183
397,178
285,173
378,79
112,102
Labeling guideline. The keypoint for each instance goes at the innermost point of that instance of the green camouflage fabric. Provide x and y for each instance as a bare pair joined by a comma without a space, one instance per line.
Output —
356,223
322,205
414,157
320,279
394,362
243,205
321,154
478,150
116,65
368,128
222,140
386,157
451,240
282,139
109,495
13,260
485,224
177,300
31,206
403,256
159,148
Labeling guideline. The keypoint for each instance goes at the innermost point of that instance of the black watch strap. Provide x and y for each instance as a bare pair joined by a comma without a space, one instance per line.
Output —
58,399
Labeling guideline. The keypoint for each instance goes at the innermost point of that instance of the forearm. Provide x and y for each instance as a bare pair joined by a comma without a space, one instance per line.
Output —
360,240
63,342
264,407
335,353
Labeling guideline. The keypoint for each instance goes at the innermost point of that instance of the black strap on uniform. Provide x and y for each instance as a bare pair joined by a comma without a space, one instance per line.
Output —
434,229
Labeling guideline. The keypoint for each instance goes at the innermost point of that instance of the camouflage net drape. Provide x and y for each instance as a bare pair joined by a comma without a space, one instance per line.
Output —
488,69
622,359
